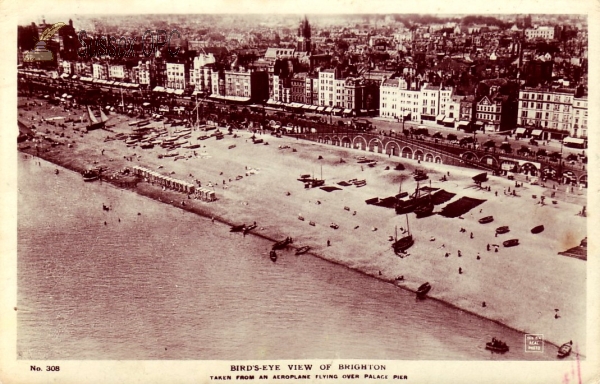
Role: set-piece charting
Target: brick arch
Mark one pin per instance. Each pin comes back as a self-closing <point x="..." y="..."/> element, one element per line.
<point x="375" y="142"/>
<point x="327" y="140"/>
<point x="489" y="160"/>
<point x="335" y="141"/>
<point x="468" y="155"/>
<point x="569" y="175"/>
<point x="583" y="179"/>
<point x="429" y="157"/>
<point x="419" y="154"/>
<point x="550" y="172"/>
<point x="392" y="148"/>
<point x="438" y="160"/>
<point x="346" y="142"/>
<point x="529" y="169"/>
<point x="407" y="152"/>
<point x="359" y="142"/>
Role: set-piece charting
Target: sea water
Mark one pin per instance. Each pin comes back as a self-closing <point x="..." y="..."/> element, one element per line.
<point x="146" y="280"/>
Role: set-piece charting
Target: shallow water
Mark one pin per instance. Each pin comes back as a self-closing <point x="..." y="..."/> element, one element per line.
<point x="167" y="284"/>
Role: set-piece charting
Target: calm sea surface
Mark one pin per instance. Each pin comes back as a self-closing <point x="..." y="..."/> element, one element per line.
<point x="168" y="284"/>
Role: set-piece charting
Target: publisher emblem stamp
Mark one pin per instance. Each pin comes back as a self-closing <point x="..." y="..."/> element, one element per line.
<point x="534" y="343"/>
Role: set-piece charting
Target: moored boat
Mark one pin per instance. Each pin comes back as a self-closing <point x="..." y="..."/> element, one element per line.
<point x="403" y="244"/>
<point x="564" y="350"/>
<point x="90" y="175"/>
<point x="273" y="256"/>
<point x="249" y="228"/>
<point x="424" y="209"/>
<point x="487" y="219"/>
<point x="423" y="290"/>
<point x="538" y="229"/>
<point x="496" y="346"/>
<point x="237" y="228"/>
<point x="302" y="250"/>
<point x="511" y="243"/>
<point x="503" y="229"/>
<point x="282" y="244"/>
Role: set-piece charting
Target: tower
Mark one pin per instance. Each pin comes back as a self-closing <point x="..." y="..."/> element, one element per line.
<point x="304" y="40"/>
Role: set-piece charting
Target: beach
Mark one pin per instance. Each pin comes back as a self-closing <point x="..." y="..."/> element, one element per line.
<point x="528" y="287"/>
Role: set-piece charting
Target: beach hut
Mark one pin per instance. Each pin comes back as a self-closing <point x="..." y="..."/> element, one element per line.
<point x="211" y="196"/>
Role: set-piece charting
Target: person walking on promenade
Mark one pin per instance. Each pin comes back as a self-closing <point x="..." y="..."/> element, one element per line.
<point x="460" y="271"/>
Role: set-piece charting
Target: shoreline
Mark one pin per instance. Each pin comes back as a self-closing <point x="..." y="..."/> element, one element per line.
<point x="502" y="279"/>
<point x="220" y="220"/>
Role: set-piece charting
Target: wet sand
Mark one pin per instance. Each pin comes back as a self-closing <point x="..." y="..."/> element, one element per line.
<point x="522" y="286"/>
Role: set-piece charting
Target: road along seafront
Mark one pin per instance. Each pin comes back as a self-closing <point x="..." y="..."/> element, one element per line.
<point x="522" y="287"/>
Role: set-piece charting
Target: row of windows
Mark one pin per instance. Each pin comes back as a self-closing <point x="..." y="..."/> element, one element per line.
<point x="547" y="116"/>
<point x="540" y="96"/>
<point x="546" y="124"/>
<point x="485" y="108"/>
<point x="485" y="116"/>
<point x="555" y="107"/>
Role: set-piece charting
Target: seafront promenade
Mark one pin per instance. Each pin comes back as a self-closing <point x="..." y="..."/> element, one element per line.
<point x="521" y="286"/>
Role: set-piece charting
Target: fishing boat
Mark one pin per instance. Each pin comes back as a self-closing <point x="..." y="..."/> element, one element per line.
<point x="302" y="250"/>
<point x="249" y="228"/>
<point x="503" y="229"/>
<point x="423" y="290"/>
<point x="405" y="206"/>
<point x="90" y="175"/>
<point x="147" y="146"/>
<point x="415" y="200"/>
<point x="402" y="244"/>
<point x="487" y="219"/>
<point x="237" y="228"/>
<point x="511" y="243"/>
<point x="420" y="175"/>
<point x="564" y="350"/>
<point x="282" y="244"/>
<point x="273" y="256"/>
<point x="538" y="229"/>
<point x="497" y="346"/>
<point x="94" y="122"/>
<point x="425" y="208"/>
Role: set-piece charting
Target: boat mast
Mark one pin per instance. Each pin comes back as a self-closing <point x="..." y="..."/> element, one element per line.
<point x="407" y="226"/>
<point x="396" y="232"/>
